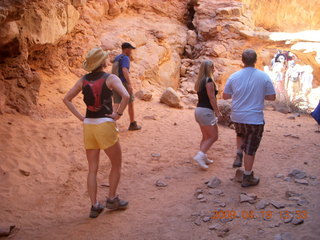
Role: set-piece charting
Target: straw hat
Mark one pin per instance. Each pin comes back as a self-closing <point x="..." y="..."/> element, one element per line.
<point x="94" y="59"/>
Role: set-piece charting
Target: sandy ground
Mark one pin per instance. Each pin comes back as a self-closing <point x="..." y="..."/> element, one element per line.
<point x="52" y="202"/>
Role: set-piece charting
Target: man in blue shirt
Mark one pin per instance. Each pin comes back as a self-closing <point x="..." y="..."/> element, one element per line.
<point x="124" y="75"/>
<point x="248" y="89"/>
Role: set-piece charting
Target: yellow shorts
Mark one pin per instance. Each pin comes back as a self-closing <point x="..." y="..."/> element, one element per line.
<point x="100" y="136"/>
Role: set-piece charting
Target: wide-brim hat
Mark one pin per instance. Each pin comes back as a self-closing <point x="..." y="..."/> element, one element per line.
<point x="94" y="59"/>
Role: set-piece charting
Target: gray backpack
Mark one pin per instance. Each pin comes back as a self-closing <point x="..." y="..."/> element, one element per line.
<point x="116" y="66"/>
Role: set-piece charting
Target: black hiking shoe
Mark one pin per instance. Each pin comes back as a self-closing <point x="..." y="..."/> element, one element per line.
<point x="249" y="180"/>
<point x="116" y="203"/>
<point x="96" y="210"/>
<point x="238" y="161"/>
<point x="134" y="126"/>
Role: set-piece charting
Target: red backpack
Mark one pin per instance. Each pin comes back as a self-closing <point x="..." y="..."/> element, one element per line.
<point x="92" y="92"/>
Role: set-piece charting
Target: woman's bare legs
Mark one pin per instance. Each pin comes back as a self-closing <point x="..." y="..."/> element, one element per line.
<point x="93" y="161"/>
<point x="209" y="137"/>
<point x="115" y="155"/>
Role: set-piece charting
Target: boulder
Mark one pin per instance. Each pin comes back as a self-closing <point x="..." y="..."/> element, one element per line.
<point x="171" y="98"/>
<point x="144" y="95"/>
<point x="225" y="109"/>
<point x="190" y="99"/>
<point x="192" y="38"/>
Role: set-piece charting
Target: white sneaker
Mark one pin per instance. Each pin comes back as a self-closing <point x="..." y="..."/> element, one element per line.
<point x="201" y="161"/>
<point x="207" y="161"/>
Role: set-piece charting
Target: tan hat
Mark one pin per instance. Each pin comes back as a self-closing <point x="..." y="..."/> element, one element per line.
<point x="94" y="59"/>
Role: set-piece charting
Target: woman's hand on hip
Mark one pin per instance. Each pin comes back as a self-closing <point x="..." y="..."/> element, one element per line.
<point x="115" y="116"/>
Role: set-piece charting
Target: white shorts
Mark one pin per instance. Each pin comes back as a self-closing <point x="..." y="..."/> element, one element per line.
<point x="205" y="116"/>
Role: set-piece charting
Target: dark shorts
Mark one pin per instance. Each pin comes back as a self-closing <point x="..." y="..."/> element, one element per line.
<point x="251" y="134"/>
<point x="117" y="98"/>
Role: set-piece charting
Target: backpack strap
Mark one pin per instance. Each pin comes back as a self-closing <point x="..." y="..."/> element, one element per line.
<point x="96" y="88"/>
<point x="120" y="64"/>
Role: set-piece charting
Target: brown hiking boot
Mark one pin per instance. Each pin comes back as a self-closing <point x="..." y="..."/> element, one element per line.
<point x="116" y="203"/>
<point x="238" y="161"/>
<point x="249" y="180"/>
<point x="134" y="126"/>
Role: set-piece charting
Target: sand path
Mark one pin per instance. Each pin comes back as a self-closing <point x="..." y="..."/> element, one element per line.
<point x="52" y="203"/>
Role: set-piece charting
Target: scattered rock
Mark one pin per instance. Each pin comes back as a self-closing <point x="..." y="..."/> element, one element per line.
<point x="24" y="172"/>
<point x="151" y="117"/>
<point x="245" y="198"/>
<point x="215" y="192"/>
<point x="206" y="219"/>
<point x="292" y="136"/>
<point x="171" y="98"/>
<point x="200" y="196"/>
<point x="288" y="179"/>
<point x="279" y="175"/>
<point x="199" y="190"/>
<point x="297" y="173"/>
<point x="277" y="204"/>
<point x="105" y="185"/>
<point x="289" y="194"/>
<point x="294" y="199"/>
<point x="283" y="236"/>
<point x="292" y="117"/>
<point x="6" y="230"/>
<point x="296" y="221"/>
<point x="160" y="183"/>
<point x="220" y="229"/>
<point x="214" y="182"/>
<point x="203" y="200"/>
<point x="252" y="195"/>
<point x="301" y="181"/>
<point x="197" y="221"/>
<point x="262" y="204"/>
<point x="220" y="204"/>
<point x="156" y="155"/>
<point x="302" y="202"/>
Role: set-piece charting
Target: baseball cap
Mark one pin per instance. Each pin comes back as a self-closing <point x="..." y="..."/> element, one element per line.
<point x="127" y="45"/>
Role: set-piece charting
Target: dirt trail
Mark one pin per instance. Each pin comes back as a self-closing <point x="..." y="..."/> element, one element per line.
<point x="52" y="203"/>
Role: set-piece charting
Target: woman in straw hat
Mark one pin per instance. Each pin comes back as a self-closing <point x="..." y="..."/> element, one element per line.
<point x="207" y="111"/>
<point x="100" y="131"/>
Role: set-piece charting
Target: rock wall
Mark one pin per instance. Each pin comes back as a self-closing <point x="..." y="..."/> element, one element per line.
<point x="285" y="15"/>
<point x="42" y="40"/>
<point x="43" y="43"/>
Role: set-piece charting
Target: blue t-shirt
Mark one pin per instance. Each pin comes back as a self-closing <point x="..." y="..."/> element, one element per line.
<point x="248" y="88"/>
<point x="123" y="63"/>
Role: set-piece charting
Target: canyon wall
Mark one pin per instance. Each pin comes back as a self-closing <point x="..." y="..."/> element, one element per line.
<point x="43" y="44"/>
